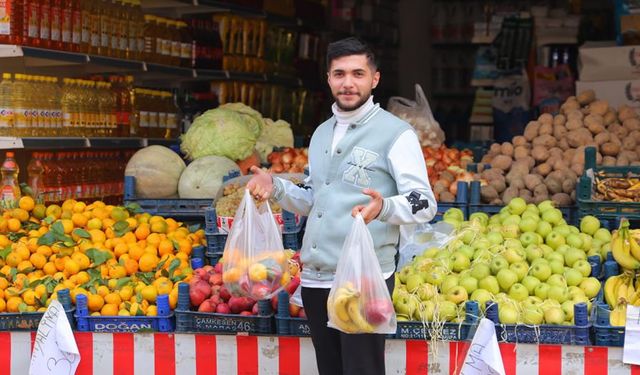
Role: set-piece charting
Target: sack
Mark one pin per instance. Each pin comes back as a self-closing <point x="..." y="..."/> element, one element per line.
<point x="511" y="110"/>
<point x="551" y="87"/>
<point x="255" y="264"/>
<point x="359" y="300"/>
<point x="418" y="114"/>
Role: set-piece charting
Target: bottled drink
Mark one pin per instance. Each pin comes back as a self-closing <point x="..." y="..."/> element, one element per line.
<point x="105" y="27"/>
<point x="55" y="19"/>
<point x="186" y="45"/>
<point x="19" y="104"/>
<point x="31" y="24"/>
<point x="150" y="49"/>
<point x="57" y="106"/>
<point x="6" y="107"/>
<point x="95" y="11"/>
<point x="10" y="187"/>
<point x="45" y="23"/>
<point x="66" y="25"/>
<point x="35" y="171"/>
<point x="123" y="28"/>
<point x="136" y="29"/>
<point x="114" y="27"/>
<point x="174" y="33"/>
<point x="11" y="17"/>
<point x="86" y="18"/>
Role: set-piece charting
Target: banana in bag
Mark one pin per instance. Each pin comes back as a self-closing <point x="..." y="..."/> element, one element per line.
<point x="359" y="301"/>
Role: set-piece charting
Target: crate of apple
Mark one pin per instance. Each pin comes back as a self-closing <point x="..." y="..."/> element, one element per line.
<point x="526" y="260"/>
<point x="205" y="304"/>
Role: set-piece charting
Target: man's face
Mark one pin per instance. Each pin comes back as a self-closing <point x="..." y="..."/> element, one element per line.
<point x="351" y="80"/>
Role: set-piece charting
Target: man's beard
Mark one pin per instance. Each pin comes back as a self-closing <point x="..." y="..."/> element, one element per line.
<point x="358" y="104"/>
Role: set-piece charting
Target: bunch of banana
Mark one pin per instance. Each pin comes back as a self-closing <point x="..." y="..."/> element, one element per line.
<point x="625" y="248"/>
<point x="621" y="290"/>
<point x="617" y="189"/>
<point x="618" y="316"/>
<point x="344" y="310"/>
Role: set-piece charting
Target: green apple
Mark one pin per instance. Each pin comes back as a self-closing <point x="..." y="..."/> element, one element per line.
<point x="449" y="282"/>
<point x="405" y="305"/>
<point x="603" y="235"/>
<point x="532" y="315"/>
<point x="583" y="266"/>
<point x="513" y="243"/>
<point x="466" y="250"/>
<point x="573" y="255"/>
<point x="587" y="241"/>
<point x="562" y="249"/>
<point x="575" y="291"/>
<point x="431" y="252"/>
<point x="528" y="224"/>
<point x="568" y="309"/>
<point x="520" y="268"/>
<point x="557" y="280"/>
<point x="508" y="314"/>
<point x="573" y="276"/>
<point x="469" y="283"/>
<point x="530" y="283"/>
<point x="426" y="291"/>
<point x="562" y="229"/>
<point x="554" y="240"/>
<point x="446" y="310"/>
<point x="540" y="271"/>
<point x="528" y="238"/>
<point x="481" y="243"/>
<point x="480" y="270"/>
<point x="498" y="263"/>
<point x="517" y="206"/>
<point x="435" y="276"/>
<point x="518" y="292"/>
<point x="459" y="261"/>
<point x="510" y="231"/>
<point x="425" y="311"/>
<point x="557" y="267"/>
<point x="533" y="208"/>
<point x="542" y="290"/>
<point x="495" y="238"/>
<point x="546" y="249"/>
<point x="413" y="282"/>
<point x="404" y="273"/>
<point x="481" y="296"/>
<point x="481" y="217"/>
<point x="506" y="278"/>
<point x="540" y="260"/>
<point x="553" y="315"/>
<point x="512" y="220"/>
<point x="489" y="284"/>
<point x="558" y="293"/>
<point x="589" y="224"/>
<point x="457" y="295"/>
<point x="574" y="240"/>
<point x="533" y="252"/>
<point x="590" y="286"/>
<point x="552" y="216"/>
<point x="574" y="229"/>
<point x="454" y="214"/>
<point x="543" y="228"/>
<point x="545" y="205"/>
<point x="514" y="255"/>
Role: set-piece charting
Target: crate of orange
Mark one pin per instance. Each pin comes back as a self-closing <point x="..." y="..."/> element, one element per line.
<point x="115" y="261"/>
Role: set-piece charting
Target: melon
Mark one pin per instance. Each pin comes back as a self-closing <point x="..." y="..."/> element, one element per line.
<point x="203" y="177"/>
<point x="157" y="170"/>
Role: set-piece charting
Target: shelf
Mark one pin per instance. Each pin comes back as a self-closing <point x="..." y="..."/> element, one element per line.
<point x="63" y="143"/>
<point x="159" y="141"/>
<point x="37" y="143"/>
<point x="19" y="59"/>
<point x="116" y="142"/>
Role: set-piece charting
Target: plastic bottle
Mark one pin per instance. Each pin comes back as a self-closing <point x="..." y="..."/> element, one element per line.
<point x="55" y="20"/>
<point x="105" y="27"/>
<point x="35" y="171"/>
<point x="136" y="29"/>
<point x="149" y="52"/>
<point x="95" y="30"/>
<point x="19" y="105"/>
<point x="66" y="24"/>
<point x="175" y="40"/>
<point x="31" y="23"/>
<point x="76" y="25"/>
<point x="123" y="28"/>
<point x="6" y="108"/>
<point x="45" y="23"/>
<point x="86" y="17"/>
<point x="163" y="48"/>
<point x="10" y="187"/>
<point x="57" y="106"/>
<point x="186" y="45"/>
<point x="11" y="17"/>
<point x="115" y="20"/>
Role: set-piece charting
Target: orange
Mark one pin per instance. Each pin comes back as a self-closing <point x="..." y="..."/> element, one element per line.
<point x="13" y="259"/>
<point x="4" y="241"/>
<point x="29" y="297"/>
<point x="68" y="204"/>
<point x="94" y="223"/>
<point x="79" y="207"/>
<point x="4" y="283"/>
<point x="149" y="293"/>
<point x="117" y="272"/>
<point x="102" y="290"/>
<point x="148" y="262"/>
<point x="79" y="220"/>
<point x="143" y="231"/>
<point x="26" y="203"/>
<point x="126" y="292"/>
<point x="3" y="305"/>
<point x="163" y="285"/>
<point x="154" y="239"/>
<point x="24" y="266"/>
<point x="152" y="310"/>
<point x="95" y="302"/>
<point x="159" y="227"/>
<point x="173" y="298"/>
<point x="49" y="268"/>
<point x="44" y="250"/>
<point x="109" y="309"/>
<point x="20" y="214"/>
<point x="119" y="213"/>
<point x="23" y="251"/>
<point x="165" y="247"/>
<point x="172" y="225"/>
<point x="40" y="290"/>
<point x="97" y="236"/>
<point x="113" y="298"/>
<point x="133" y="223"/>
<point x="71" y="266"/>
<point x="135" y="252"/>
<point x="13" y="303"/>
<point x="82" y="277"/>
<point x="184" y="246"/>
<point x="13" y="225"/>
<point x="120" y="249"/>
<point x="107" y="223"/>
<point x="82" y="260"/>
<point x="131" y="266"/>
<point x="39" y="211"/>
<point x="38" y="260"/>
<point x="129" y="238"/>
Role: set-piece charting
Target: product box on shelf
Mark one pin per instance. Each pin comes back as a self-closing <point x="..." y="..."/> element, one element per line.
<point x="605" y="61"/>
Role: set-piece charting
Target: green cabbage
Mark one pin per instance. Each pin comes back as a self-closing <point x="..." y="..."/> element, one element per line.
<point x="251" y="117"/>
<point x="221" y="132"/>
<point x="274" y="134"/>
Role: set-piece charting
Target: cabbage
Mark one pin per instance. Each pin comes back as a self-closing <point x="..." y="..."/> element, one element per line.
<point x="203" y="177"/>
<point x="251" y="117"/>
<point x="274" y="134"/>
<point x="220" y="132"/>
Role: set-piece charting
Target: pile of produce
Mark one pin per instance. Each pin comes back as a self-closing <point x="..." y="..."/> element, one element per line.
<point x="289" y="160"/>
<point x="232" y="195"/>
<point x="445" y="167"/>
<point x="623" y="289"/>
<point x="546" y="161"/>
<point x="617" y="189"/>
<point x="525" y="258"/>
<point x="119" y="258"/>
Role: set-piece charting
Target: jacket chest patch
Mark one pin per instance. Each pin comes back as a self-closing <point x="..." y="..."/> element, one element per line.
<point x="359" y="167"/>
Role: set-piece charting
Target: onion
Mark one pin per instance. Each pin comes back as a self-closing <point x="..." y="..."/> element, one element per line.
<point x="287" y="157"/>
<point x="277" y="168"/>
<point x="274" y="157"/>
<point x="300" y="160"/>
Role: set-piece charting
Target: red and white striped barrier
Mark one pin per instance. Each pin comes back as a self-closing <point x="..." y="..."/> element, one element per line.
<point x="183" y="354"/>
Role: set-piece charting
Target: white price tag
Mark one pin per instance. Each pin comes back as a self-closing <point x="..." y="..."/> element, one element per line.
<point x="630" y="352"/>
<point x="484" y="357"/>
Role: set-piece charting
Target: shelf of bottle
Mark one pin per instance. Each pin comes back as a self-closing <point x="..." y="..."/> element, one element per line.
<point x="59" y="143"/>
<point x="47" y="61"/>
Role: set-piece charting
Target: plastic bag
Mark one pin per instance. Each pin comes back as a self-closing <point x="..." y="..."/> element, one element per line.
<point x="424" y="237"/>
<point x="418" y="114"/>
<point x="359" y="301"/>
<point x="255" y="264"/>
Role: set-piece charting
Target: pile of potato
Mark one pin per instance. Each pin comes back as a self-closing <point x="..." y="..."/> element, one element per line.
<point x="546" y="161"/>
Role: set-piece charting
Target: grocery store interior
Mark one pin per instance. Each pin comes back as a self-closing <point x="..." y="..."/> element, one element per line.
<point x="129" y="129"/>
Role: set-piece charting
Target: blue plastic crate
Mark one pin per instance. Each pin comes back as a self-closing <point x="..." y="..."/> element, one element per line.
<point x="604" y="333"/>
<point x="164" y="322"/>
<point x="29" y="321"/>
<point x="461" y="202"/>
<point x="568" y="212"/>
<point x="193" y="321"/>
<point x="287" y="325"/>
<point x="579" y="334"/>
<point x="182" y="209"/>
<point x="413" y="330"/>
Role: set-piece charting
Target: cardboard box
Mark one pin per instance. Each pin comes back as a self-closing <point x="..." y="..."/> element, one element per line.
<point x="616" y="93"/>
<point x="605" y="61"/>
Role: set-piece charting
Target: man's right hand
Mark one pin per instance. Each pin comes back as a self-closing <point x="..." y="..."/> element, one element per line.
<point x="261" y="184"/>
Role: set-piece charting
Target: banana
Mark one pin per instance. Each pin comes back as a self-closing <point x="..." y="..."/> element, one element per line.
<point x="610" y="290"/>
<point x="634" y="247"/>
<point x="348" y="327"/>
<point x="631" y="290"/>
<point x="621" y="252"/>
<point x="353" y="308"/>
<point x="618" y="316"/>
<point x="340" y="303"/>
<point x="621" y="292"/>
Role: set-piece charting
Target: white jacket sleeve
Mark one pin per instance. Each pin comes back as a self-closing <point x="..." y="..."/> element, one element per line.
<point x="293" y="198"/>
<point x="415" y="203"/>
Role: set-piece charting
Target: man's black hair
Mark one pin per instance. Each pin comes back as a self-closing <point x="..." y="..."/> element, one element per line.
<point x="350" y="46"/>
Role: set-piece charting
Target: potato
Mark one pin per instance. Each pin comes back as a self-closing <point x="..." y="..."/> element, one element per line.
<point x="569" y="175"/>
<point x="575" y="115"/>
<point x="492" y="174"/>
<point x="446" y="175"/>
<point x="446" y="196"/>
<point x="613" y="138"/>
<point x="609" y="149"/>
<point x="555" y="151"/>
<point x="545" y="118"/>
<point x="622" y="161"/>
<point x="636" y="135"/>
<point x="553" y="185"/>
<point x="578" y="156"/>
<point x="520" y="152"/>
<point x="559" y="120"/>
<point x="598" y="158"/>
<point x="539" y="153"/>
<point x="631" y="155"/>
<point x="543" y="169"/>
<point x="506" y="149"/>
<point x="577" y="168"/>
<point x="619" y="130"/>
<point x="599" y="107"/>
<point x="486" y="159"/>
<point x="595" y="123"/>
<point x="499" y="184"/>
<point x="601" y="138"/>
<point x="495" y="148"/>
<point x="574" y="124"/>
<point x="502" y="162"/>
<point x="531" y="130"/>
<point x="440" y="186"/>
<point x="540" y="190"/>
<point x="510" y="193"/>
<point x="568" y="185"/>
<point x="629" y="144"/>
<point x="497" y="202"/>
<point x="526" y="195"/>
<point x="545" y="140"/>
<point x="631" y="124"/>
<point x="569" y="105"/>
<point x="559" y="131"/>
<point x="561" y="199"/>
<point x="532" y="180"/>
<point x="608" y="161"/>
<point x="563" y="143"/>
<point x="545" y="128"/>
<point x="626" y="112"/>
<point x="519" y="140"/>
<point x="610" y="117"/>
<point x="560" y="165"/>
<point x="488" y="193"/>
<point x="586" y="97"/>
<point x="531" y="162"/>
<point x="580" y="137"/>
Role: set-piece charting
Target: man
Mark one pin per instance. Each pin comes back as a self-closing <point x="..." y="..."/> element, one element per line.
<point x="362" y="160"/>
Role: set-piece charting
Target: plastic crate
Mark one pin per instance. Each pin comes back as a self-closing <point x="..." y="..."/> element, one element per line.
<point x="411" y="330"/>
<point x="29" y="321"/>
<point x="568" y="212"/>
<point x="193" y="321"/>
<point x="605" y="334"/>
<point x="461" y="202"/>
<point x="285" y="324"/>
<point x="216" y="239"/>
<point x="479" y="148"/>
<point x="609" y="213"/>
<point x="182" y="209"/>
<point x="578" y="334"/>
<point x="161" y="323"/>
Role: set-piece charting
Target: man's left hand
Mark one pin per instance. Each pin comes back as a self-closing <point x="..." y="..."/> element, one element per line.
<point x="371" y="210"/>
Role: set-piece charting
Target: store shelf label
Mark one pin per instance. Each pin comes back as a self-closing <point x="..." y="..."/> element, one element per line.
<point x="7" y="143"/>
